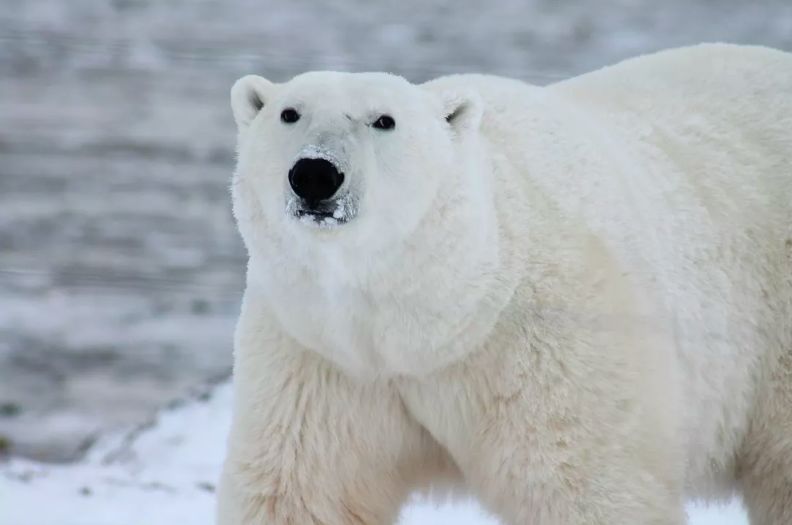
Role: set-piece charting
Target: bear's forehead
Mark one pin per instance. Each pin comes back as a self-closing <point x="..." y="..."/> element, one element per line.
<point x="348" y="88"/>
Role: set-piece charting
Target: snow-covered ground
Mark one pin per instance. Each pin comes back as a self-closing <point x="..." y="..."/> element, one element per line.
<point x="165" y="473"/>
<point x="120" y="266"/>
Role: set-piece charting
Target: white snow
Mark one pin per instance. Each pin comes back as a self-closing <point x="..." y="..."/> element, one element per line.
<point x="166" y="473"/>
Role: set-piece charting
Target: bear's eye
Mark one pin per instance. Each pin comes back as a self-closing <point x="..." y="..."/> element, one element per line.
<point x="384" y="122"/>
<point x="290" y="116"/>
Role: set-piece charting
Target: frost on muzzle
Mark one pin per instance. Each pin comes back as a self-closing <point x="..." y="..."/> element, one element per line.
<point x="319" y="195"/>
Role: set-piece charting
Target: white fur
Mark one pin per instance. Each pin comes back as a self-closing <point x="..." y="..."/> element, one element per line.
<point x="574" y="301"/>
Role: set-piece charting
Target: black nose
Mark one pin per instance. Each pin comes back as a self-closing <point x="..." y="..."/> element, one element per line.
<point x="315" y="179"/>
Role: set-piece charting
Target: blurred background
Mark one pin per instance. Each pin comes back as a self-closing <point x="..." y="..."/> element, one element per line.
<point x="120" y="266"/>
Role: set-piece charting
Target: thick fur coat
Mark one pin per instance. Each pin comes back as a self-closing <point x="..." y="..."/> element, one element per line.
<point x="572" y="301"/>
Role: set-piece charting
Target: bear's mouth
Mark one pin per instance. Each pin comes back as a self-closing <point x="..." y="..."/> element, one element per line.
<point x="330" y="213"/>
<point x="321" y="217"/>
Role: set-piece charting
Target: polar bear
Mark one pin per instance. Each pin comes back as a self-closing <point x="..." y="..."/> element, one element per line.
<point x="572" y="301"/>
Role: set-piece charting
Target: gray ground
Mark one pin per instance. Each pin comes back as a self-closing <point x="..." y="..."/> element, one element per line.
<point x="120" y="268"/>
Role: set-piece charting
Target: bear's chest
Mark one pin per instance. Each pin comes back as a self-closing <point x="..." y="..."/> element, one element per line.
<point x="393" y="335"/>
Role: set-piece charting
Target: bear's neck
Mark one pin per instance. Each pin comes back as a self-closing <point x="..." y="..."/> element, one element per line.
<point x="434" y="302"/>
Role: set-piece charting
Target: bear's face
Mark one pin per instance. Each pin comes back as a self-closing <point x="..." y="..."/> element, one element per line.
<point x="365" y="210"/>
<point x="348" y="160"/>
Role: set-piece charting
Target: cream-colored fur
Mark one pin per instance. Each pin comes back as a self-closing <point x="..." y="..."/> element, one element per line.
<point x="573" y="301"/>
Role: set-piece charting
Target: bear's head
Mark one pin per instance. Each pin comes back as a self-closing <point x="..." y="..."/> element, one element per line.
<point x="352" y="160"/>
<point x="351" y="190"/>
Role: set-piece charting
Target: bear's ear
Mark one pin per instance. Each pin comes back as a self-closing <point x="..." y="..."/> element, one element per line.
<point x="248" y="95"/>
<point x="462" y="109"/>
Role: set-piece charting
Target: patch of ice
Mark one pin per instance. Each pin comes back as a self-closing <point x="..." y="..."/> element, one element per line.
<point x="346" y="207"/>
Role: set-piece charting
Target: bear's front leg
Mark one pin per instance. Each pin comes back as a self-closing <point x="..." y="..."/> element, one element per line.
<point x="310" y="446"/>
<point x="545" y="438"/>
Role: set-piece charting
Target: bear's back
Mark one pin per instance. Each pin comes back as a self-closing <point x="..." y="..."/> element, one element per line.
<point x="695" y="72"/>
<point x="745" y="89"/>
<point x="716" y="118"/>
